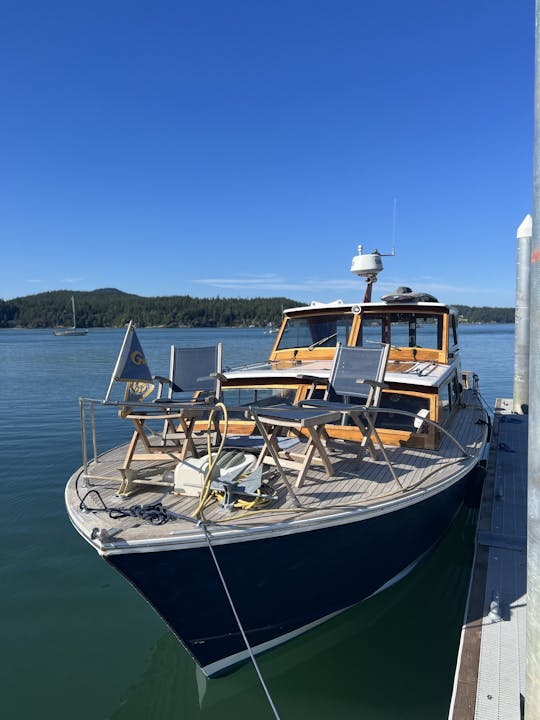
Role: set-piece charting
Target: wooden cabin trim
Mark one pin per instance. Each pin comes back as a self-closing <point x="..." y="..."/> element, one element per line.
<point x="428" y="437"/>
<point x="355" y="329"/>
<point x="418" y="355"/>
<point x="277" y="340"/>
<point x="405" y="353"/>
<point x="318" y="353"/>
<point x="445" y="334"/>
<point x="304" y="355"/>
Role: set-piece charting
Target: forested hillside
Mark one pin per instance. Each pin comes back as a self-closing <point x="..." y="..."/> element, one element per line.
<point x="112" y="308"/>
<point x="485" y="314"/>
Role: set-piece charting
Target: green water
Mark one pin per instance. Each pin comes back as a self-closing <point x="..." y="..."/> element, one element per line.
<point x="78" y="641"/>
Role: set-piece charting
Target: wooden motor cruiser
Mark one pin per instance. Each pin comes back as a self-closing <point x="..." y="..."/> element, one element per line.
<point x="235" y="568"/>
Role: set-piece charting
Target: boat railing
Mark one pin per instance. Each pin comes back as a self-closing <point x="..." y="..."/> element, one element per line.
<point x="240" y="400"/>
<point x="87" y="408"/>
<point x="421" y="420"/>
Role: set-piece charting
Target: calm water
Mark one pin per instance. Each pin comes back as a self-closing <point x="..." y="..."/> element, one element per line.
<point x="78" y="642"/>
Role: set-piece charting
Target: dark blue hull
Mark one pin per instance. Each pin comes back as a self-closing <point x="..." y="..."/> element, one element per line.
<point x="284" y="583"/>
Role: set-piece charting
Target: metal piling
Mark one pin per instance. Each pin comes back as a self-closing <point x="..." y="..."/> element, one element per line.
<point x="532" y="694"/>
<point x="521" y="342"/>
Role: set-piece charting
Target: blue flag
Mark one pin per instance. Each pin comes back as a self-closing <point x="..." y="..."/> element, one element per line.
<point x="131" y="364"/>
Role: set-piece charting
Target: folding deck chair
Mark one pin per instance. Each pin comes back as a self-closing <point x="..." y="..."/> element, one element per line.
<point x="354" y="389"/>
<point x="185" y="396"/>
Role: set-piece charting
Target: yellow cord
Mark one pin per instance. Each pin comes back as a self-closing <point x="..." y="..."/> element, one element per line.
<point x="211" y="461"/>
<point x="207" y="495"/>
<point x="246" y="504"/>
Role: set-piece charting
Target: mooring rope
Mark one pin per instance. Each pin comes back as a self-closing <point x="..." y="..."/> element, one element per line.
<point x="237" y="618"/>
<point x="154" y="513"/>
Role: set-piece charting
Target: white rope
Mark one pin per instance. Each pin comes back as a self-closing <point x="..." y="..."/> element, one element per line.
<point x="229" y="598"/>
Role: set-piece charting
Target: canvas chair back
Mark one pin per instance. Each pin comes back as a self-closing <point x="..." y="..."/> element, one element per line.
<point x="195" y="370"/>
<point x="354" y="363"/>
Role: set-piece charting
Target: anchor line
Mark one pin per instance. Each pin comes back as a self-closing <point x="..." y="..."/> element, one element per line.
<point x="238" y="622"/>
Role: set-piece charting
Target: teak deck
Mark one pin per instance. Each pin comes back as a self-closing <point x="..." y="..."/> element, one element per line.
<point x="357" y="483"/>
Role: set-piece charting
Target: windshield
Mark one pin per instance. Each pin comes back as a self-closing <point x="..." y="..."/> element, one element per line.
<point x="316" y="331"/>
<point x="412" y="329"/>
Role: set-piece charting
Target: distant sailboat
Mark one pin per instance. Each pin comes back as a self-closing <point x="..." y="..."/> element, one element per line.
<point x="271" y="329"/>
<point x="72" y="330"/>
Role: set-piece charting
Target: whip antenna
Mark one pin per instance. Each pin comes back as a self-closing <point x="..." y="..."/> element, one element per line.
<point x="394" y="227"/>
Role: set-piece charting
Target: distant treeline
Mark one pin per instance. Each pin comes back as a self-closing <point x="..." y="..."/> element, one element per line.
<point x="113" y="308"/>
<point x="485" y="314"/>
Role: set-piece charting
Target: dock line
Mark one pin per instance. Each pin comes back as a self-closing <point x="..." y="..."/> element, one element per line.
<point x="237" y="618"/>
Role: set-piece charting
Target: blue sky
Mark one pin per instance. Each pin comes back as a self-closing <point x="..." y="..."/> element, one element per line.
<point x="243" y="148"/>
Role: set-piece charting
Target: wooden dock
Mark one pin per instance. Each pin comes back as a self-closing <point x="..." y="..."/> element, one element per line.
<point x="490" y="675"/>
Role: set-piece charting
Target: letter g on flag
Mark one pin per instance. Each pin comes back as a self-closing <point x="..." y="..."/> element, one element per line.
<point x="137" y="358"/>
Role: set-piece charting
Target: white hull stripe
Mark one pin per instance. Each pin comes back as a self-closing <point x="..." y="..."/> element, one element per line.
<point x="221" y="665"/>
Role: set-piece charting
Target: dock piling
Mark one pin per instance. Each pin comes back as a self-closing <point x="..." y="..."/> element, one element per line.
<point x="521" y="342"/>
<point x="532" y="694"/>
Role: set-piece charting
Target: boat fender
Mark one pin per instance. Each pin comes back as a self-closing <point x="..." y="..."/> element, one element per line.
<point x="494" y="614"/>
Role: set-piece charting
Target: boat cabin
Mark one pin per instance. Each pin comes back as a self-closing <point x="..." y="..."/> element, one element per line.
<point x="423" y="374"/>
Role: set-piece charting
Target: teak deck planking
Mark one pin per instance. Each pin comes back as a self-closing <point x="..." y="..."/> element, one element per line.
<point x="356" y="483"/>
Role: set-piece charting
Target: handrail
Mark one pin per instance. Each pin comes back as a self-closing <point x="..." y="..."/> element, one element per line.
<point x="91" y="403"/>
<point x="142" y="404"/>
<point x="433" y="423"/>
<point x="83" y="435"/>
<point x="84" y="440"/>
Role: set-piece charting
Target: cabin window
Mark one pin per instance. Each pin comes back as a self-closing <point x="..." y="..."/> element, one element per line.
<point x="445" y="402"/>
<point x="448" y="398"/>
<point x="399" y="401"/>
<point x="453" y="392"/>
<point x="402" y="329"/>
<point x="316" y="331"/>
<point x="373" y="330"/>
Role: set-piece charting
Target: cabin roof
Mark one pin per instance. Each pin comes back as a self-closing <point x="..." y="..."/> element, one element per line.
<point x="360" y="307"/>
<point x="425" y="373"/>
